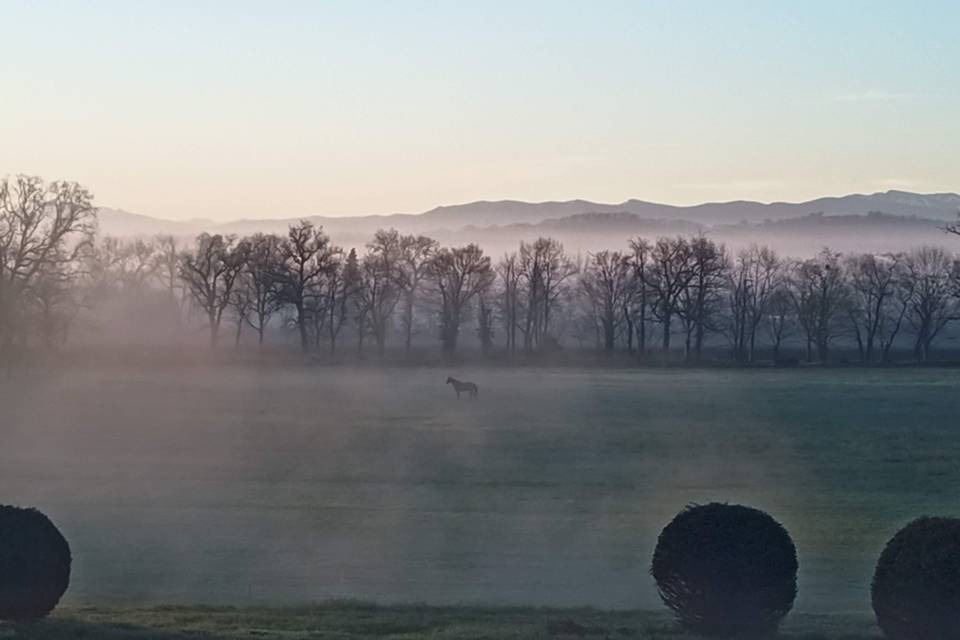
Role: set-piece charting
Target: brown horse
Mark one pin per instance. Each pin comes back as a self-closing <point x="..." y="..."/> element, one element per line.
<point x="466" y="387"/>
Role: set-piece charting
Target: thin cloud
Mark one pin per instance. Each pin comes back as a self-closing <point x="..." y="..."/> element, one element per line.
<point x="875" y="95"/>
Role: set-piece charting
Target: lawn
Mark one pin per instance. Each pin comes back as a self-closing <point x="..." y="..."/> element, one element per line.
<point x="268" y="486"/>
<point x="347" y="620"/>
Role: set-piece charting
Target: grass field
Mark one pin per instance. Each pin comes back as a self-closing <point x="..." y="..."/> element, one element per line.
<point x="355" y="621"/>
<point x="276" y="486"/>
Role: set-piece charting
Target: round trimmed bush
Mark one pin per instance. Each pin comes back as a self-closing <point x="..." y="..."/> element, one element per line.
<point x="916" y="586"/>
<point x="34" y="564"/>
<point x="726" y="570"/>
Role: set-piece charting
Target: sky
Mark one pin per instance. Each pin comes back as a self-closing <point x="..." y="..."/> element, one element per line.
<point x="229" y="110"/>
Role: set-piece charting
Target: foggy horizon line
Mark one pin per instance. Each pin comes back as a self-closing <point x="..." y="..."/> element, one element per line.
<point x="514" y="201"/>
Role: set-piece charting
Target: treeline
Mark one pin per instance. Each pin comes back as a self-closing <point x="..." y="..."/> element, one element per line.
<point x="673" y="295"/>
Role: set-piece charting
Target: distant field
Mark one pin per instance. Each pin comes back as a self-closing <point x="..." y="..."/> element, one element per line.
<point x="285" y="485"/>
<point x="348" y="621"/>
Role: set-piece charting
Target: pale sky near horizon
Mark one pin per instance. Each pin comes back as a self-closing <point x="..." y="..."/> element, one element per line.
<point x="231" y="110"/>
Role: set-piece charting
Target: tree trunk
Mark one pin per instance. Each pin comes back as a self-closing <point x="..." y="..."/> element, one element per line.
<point x="408" y="323"/>
<point x="609" y="338"/>
<point x="302" y="326"/>
<point x="698" y="343"/>
<point x="381" y="338"/>
<point x="214" y="329"/>
<point x="642" y="327"/>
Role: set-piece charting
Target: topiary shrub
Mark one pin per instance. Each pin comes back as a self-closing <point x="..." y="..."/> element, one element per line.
<point x="726" y="570"/>
<point x="34" y="564"/>
<point x="916" y="586"/>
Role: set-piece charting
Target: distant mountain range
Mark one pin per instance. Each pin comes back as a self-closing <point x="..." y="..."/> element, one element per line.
<point x="890" y="219"/>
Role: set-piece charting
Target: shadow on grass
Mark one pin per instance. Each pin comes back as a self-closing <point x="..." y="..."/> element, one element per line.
<point x="64" y="629"/>
<point x="353" y="620"/>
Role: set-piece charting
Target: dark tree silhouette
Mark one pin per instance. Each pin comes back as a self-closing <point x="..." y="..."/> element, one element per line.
<point x="416" y="253"/>
<point x="820" y="295"/>
<point x="606" y="281"/>
<point x="752" y="282"/>
<point x="544" y="270"/>
<point x="381" y="284"/>
<point x="209" y="273"/>
<point x="508" y="272"/>
<point x="459" y="275"/>
<point x="701" y="299"/>
<point x="44" y="230"/>
<point x="166" y="266"/>
<point x="261" y="282"/>
<point x="726" y="570"/>
<point x="876" y="311"/>
<point x="341" y="292"/>
<point x="933" y="277"/>
<point x="670" y="274"/>
<point x="637" y="311"/>
<point x="308" y="259"/>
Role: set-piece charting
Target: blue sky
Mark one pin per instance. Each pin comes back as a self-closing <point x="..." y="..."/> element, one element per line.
<point x="233" y="109"/>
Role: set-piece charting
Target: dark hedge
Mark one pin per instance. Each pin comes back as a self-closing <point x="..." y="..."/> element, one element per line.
<point x="726" y="570"/>
<point x="34" y="564"/>
<point x="916" y="586"/>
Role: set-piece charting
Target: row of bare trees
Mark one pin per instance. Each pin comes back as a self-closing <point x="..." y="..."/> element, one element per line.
<point x="644" y="299"/>
<point x="694" y="287"/>
<point x="314" y="286"/>
<point x="687" y="289"/>
<point x="45" y="230"/>
<point x="319" y="288"/>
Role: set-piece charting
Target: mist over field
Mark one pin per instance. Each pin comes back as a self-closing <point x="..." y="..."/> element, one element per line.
<point x="264" y="485"/>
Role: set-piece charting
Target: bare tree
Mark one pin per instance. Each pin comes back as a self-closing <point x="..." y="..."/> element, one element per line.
<point x="670" y="274"/>
<point x="544" y="270"/>
<point x="484" y="322"/>
<point x="780" y="317"/>
<point x="166" y="267"/>
<point x="638" y="309"/>
<point x="875" y="315"/>
<point x="934" y="302"/>
<point x="105" y="262"/>
<point x="701" y="299"/>
<point x="140" y="263"/>
<point x="307" y="257"/>
<point x="44" y="229"/>
<point x="752" y="282"/>
<point x="458" y="274"/>
<point x="895" y="310"/>
<point x="820" y="296"/>
<point x="241" y="300"/>
<point x="341" y="292"/>
<point x="53" y="301"/>
<point x="416" y="252"/>
<point x="209" y="273"/>
<point x="606" y="281"/>
<point x="508" y="271"/>
<point x="261" y="281"/>
<point x="382" y="284"/>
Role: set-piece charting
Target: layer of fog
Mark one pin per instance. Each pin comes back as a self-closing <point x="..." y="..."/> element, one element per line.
<point x="282" y="485"/>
